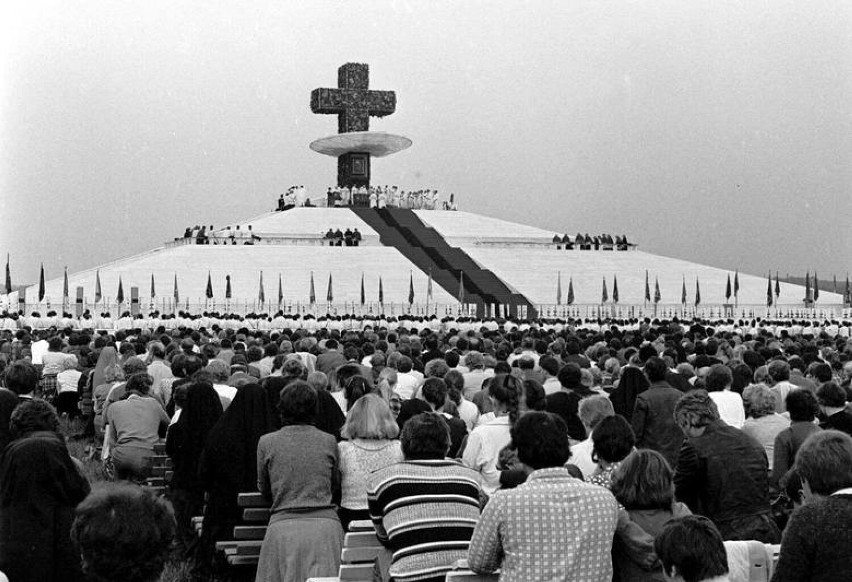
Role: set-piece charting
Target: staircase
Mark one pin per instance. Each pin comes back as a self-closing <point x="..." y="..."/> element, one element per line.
<point x="426" y="248"/>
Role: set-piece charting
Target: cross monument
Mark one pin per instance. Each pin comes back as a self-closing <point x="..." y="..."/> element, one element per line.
<point x="354" y="103"/>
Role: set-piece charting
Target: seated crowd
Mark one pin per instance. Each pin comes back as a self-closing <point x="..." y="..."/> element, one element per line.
<point x="336" y="238"/>
<point x="583" y="452"/>
<point x="201" y="235"/>
<point x="585" y="242"/>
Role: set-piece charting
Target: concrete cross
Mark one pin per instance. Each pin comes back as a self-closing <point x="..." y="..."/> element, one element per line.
<point x="352" y="101"/>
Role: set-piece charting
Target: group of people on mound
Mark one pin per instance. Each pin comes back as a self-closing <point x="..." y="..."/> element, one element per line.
<point x="336" y="238"/>
<point x="204" y="236"/>
<point x="384" y="196"/>
<point x="586" y="243"/>
<point x="659" y="451"/>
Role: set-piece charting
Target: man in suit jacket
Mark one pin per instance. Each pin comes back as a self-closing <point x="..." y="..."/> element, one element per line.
<point x="832" y="404"/>
<point x="653" y="415"/>
<point x="331" y="359"/>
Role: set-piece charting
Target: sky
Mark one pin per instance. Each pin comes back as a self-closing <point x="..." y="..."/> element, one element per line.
<point x="718" y="132"/>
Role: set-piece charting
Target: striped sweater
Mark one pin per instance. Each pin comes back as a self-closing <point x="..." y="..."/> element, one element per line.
<point x="425" y="511"/>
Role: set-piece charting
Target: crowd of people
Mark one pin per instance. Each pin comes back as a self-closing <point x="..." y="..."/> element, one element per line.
<point x="388" y="196"/>
<point x="201" y="235"/>
<point x="584" y="242"/>
<point x="337" y="238"/>
<point x="570" y="450"/>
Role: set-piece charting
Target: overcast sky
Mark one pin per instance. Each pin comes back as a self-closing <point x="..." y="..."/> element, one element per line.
<point x="718" y="132"/>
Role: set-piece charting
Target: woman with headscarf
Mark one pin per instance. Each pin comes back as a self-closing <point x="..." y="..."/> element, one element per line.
<point x="228" y="466"/>
<point x="184" y="443"/>
<point x="107" y="357"/>
<point x="632" y="383"/>
<point x="40" y="486"/>
<point x="8" y="402"/>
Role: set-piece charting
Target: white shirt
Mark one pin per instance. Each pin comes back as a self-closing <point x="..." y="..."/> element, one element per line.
<point x="483" y="448"/>
<point x="730" y="405"/>
<point x="469" y="413"/>
<point x="406" y="385"/>
<point x="581" y="457"/>
<point x="226" y="394"/>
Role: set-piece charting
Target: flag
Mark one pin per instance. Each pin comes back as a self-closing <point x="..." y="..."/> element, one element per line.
<point x="41" y="284"/>
<point x="381" y="292"/>
<point x="120" y="295"/>
<point x="176" y="294"/>
<point x="835" y="283"/>
<point x="312" y="298"/>
<point x="697" y="293"/>
<point x="209" y="292"/>
<point x="657" y="296"/>
<point x="604" y="294"/>
<point x="848" y="294"/>
<point x="329" y="296"/>
<point x="558" y="288"/>
<point x="728" y="288"/>
<point x="8" y="276"/>
<point x="816" y="287"/>
<point x="280" y="290"/>
<point x="736" y="283"/>
<point x="769" y="290"/>
<point x="683" y="292"/>
<point x="98" y="293"/>
<point x="569" y="300"/>
<point x="808" y="287"/>
<point x="363" y="292"/>
<point x="429" y="288"/>
<point x="261" y="294"/>
<point x="777" y="287"/>
<point x="647" y="288"/>
<point x="615" y="288"/>
<point x="410" y="288"/>
<point x="227" y="286"/>
<point x="461" y="286"/>
<point x="153" y="290"/>
<point x="65" y="286"/>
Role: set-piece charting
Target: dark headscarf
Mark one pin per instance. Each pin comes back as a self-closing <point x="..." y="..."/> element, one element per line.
<point x="329" y="417"/>
<point x="632" y="383"/>
<point x="187" y="437"/>
<point x="232" y="442"/>
<point x="8" y="402"/>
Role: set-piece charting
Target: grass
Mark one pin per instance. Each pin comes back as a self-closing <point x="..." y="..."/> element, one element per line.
<point x="175" y="570"/>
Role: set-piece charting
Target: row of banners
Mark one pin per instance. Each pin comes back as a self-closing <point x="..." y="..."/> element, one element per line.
<point x="773" y="291"/>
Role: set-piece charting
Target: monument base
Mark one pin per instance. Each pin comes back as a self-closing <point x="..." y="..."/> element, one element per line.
<point x="353" y="170"/>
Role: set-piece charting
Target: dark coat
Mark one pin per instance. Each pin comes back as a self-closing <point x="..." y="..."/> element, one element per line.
<point x="724" y="475"/>
<point x="653" y="421"/>
<point x="39" y="488"/>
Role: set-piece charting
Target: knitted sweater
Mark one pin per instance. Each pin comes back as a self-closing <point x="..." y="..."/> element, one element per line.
<point x="817" y="544"/>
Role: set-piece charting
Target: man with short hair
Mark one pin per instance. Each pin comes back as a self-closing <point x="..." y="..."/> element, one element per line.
<point x="722" y="473"/>
<point x="425" y="508"/>
<point x="832" y="403"/>
<point x="691" y="550"/>
<point x="477" y="375"/>
<point x="565" y="402"/>
<point x="21" y="377"/>
<point x="331" y="359"/>
<point x="817" y="544"/>
<point x="779" y="373"/>
<point x="158" y="369"/>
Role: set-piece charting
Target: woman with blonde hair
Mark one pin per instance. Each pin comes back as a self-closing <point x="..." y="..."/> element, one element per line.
<point x="371" y="444"/>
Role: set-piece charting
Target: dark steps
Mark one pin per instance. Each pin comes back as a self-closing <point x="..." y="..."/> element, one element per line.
<point x="426" y="248"/>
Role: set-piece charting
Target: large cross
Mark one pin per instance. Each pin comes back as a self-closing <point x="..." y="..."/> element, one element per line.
<point x="352" y="101"/>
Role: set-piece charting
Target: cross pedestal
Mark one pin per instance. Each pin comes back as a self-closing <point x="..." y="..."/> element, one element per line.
<point x="354" y="103"/>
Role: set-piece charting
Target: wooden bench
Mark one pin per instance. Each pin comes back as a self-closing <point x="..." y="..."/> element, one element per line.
<point x="160" y="470"/>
